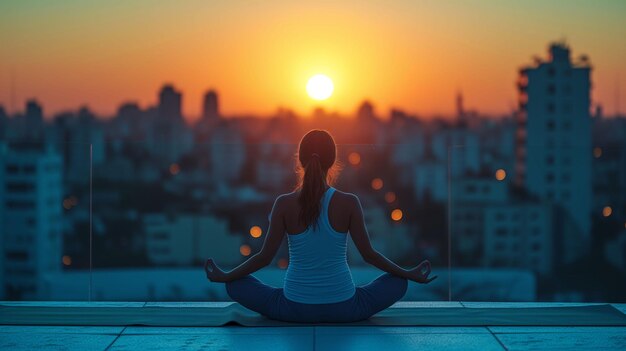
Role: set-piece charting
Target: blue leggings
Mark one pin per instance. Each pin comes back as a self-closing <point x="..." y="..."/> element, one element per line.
<point x="368" y="300"/>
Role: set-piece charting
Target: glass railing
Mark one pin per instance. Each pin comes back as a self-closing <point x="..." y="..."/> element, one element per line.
<point x="135" y="221"/>
<point x="159" y="216"/>
<point x="547" y="224"/>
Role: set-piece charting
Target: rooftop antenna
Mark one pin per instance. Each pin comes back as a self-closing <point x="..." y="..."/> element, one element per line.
<point x="617" y="107"/>
<point x="12" y="87"/>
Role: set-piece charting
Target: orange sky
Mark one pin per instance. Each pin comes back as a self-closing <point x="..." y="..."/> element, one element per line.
<point x="413" y="55"/>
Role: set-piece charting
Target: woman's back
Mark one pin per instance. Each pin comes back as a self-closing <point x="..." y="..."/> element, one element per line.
<point x="318" y="271"/>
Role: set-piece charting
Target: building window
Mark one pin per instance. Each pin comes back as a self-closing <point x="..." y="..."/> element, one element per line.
<point x="550" y="177"/>
<point x="551" y="89"/>
<point x="17" y="256"/>
<point x="20" y="205"/>
<point x="550" y="125"/>
<point x="12" y="169"/>
<point x="550" y="107"/>
<point x="501" y="231"/>
<point x="567" y="107"/>
<point x="20" y="187"/>
<point x="550" y="160"/>
<point x="551" y="72"/>
<point x="567" y="89"/>
<point x="567" y="125"/>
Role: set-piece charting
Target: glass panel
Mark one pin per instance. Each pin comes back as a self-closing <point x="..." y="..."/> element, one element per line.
<point x="44" y="214"/>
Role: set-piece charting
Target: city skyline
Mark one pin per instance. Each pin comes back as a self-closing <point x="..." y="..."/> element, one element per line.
<point x="75" y="54"/>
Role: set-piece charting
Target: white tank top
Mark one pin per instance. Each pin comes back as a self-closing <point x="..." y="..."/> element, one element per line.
<point x="318" y="269"/>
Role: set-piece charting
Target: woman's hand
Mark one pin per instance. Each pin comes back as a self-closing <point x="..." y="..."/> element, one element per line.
<point x="214" y="273"/>
<point x="420" y="273"/>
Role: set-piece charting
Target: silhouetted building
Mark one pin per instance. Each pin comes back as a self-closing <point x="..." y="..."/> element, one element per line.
<point x="171" y="138"/>
<point x="170" y="101"/>
<point x="366" y="111"/>
<point x="209" y="119"/>
<point x="210" y="107"/>
<point x="460" y="110"/>
<point x="4" y="122"/>
<point x="553" y="142"/>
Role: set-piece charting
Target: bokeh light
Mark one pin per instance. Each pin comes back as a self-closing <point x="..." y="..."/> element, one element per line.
<point x="390" y="196"/>
<point x="67" y="260"/>
<point x="283" y="263"/>
<point x="396" y="214"/>
<point x="256" y="231"/>
<point x="500" y="174"/>
<point x="607" y="211"/>
<point x="597" y="152"/>
<point x="174" y="168"/>
<point x="354" y="158"/>
<point x="377" y="183"/>
<point x="245" y="250"/>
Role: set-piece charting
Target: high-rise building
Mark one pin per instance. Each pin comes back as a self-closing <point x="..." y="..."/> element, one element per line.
<point x="31" y="220"/>
<point x="170" y="103"/>
<point x="210" y="107"/>
<point x="170" y="137"/>
<point x="553" y="140"/>
<point x="4" y="121"/>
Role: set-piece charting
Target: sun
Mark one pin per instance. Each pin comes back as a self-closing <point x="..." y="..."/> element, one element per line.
<point x="320" y="87"/>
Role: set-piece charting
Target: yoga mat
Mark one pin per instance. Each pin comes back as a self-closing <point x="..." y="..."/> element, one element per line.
<point x="220" y="314"/>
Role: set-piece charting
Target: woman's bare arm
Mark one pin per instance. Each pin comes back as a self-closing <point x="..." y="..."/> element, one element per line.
<point x="361" y="239"/>
<point x="272" y="242"/>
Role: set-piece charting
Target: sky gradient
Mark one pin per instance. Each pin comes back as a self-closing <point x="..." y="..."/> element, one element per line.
<point x="413" y="55"/>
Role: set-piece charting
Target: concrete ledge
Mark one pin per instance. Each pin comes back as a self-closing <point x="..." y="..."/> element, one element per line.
<point x="187" y="314"/>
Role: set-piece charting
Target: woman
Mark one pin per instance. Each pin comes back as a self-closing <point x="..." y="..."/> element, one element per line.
<point x="317" y="219"/>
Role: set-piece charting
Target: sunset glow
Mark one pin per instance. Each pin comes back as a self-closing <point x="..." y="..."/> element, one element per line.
<point x="412" y="55"/>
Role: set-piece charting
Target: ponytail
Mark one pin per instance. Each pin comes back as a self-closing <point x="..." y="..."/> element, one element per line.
<point x="316" y="166"/>
<point x="311" y="191"/>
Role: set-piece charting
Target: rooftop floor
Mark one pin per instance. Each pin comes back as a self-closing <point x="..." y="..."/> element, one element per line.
<point x="349" y="337"/>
